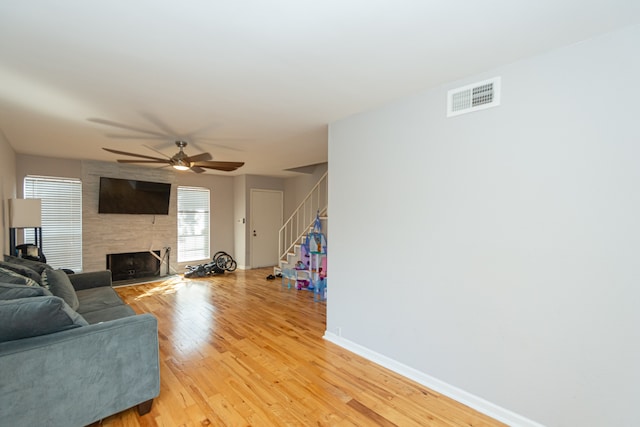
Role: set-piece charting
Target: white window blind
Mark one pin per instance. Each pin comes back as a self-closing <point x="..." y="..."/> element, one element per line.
<point x="193" y="224"/>
<point x="61" y="219"/>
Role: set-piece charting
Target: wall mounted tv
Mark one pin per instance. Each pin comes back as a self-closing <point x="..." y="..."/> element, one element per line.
<point x="128" y="196"/>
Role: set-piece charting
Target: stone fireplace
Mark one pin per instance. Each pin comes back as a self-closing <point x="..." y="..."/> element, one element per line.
<point x="133" y="265"/>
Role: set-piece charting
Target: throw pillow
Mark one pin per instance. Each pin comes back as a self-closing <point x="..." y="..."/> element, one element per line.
<point x="31" y="317"/>
<point x="59" y="284"/>
<point x="37" y="266"/>
<point x="23" y="270"/>
<point x="8" y="291"/>
<point x="8" y="276"/>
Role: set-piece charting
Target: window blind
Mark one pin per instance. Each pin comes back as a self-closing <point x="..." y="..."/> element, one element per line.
<point x="193" y="224"/>
<point x="61" y="219"/>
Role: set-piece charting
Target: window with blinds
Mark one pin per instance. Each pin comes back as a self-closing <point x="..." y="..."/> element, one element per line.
<point x="193" y="224"/>
<point x="61" y="219"/>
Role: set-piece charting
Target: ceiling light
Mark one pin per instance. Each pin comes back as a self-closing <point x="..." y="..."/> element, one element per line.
<point x="180" y="164"/>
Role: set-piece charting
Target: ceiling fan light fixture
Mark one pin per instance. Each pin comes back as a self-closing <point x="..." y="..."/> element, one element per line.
<point x="179" y="161"/>
<point x="180" y="165"/>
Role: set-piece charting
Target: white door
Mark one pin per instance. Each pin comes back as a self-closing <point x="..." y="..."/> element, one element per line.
<point x="266" y="220"/>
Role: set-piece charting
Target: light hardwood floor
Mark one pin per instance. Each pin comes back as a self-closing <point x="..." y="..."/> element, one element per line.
<point x="238" y="350"/>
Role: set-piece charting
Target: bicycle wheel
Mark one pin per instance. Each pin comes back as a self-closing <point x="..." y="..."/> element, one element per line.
<point x="221" y="261"/>
<point x="217" y="254"/>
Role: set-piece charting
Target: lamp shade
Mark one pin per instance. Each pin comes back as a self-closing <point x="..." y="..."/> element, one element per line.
<point x="24" y="213"/>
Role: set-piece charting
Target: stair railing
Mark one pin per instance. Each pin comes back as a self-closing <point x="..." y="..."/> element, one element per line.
<point x="301" y="220"/>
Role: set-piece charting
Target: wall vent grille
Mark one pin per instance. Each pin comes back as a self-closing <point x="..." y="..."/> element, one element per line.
<point x="473" y="97"/>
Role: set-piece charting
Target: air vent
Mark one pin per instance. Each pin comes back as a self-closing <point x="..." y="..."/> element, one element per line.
<point x="473" y="97"/>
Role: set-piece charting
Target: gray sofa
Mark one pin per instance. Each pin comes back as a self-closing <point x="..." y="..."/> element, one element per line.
<point x="71" y="351"/>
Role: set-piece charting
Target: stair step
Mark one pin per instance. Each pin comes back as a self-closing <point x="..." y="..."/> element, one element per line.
<point x="291" y="257"/>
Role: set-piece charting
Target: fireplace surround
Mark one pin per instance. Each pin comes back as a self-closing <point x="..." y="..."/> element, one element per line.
<point x="133" y="265"/>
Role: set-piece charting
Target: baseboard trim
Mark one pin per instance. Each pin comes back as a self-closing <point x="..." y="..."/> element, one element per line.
<point x="475" y="402"/>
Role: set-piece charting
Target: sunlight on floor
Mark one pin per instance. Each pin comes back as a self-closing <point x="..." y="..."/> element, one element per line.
<point x="165" y="287"/>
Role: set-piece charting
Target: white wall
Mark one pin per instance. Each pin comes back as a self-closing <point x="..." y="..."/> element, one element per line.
<point x="104" y="234"/>
<point x="7" y="188"/>
<point x="242" y="202"/>
<point x="222" y="209"/>
<point x="297" y="188"/>
<point x="45" y="166"/>
<point x="240" y="220"/>
<point x="499" y="250"/>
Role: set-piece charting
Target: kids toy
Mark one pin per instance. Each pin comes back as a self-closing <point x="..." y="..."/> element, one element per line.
<point x="302" y="284"/>
<point x="320" y="292"/>
<point x="220" y="263"/>
<point x="316" y="246"/>
<point x="289" y="277"/>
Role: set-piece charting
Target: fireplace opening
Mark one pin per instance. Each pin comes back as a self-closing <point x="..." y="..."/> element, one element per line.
<point x="133" y="265"/>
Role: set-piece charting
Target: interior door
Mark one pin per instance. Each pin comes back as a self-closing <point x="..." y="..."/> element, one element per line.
<point x="266" y="220"/>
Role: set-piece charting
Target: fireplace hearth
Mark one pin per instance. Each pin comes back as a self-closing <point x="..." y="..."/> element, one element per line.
<point x="133" y="265"/>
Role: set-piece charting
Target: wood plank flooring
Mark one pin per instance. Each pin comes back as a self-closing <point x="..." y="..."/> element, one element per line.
<point x="238" y="350"/>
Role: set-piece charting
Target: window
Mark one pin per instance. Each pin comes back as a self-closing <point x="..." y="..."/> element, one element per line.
<point x="193" y="224"/>
<point x="61" y="219"/>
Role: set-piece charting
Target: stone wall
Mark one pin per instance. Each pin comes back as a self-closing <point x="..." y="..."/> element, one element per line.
<point x="116" y="233"/>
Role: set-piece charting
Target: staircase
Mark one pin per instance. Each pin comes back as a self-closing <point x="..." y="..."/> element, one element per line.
<point x="295" y="229"/>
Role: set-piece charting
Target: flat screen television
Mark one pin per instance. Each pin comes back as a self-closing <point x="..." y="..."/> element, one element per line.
<point x="129" y="196"/>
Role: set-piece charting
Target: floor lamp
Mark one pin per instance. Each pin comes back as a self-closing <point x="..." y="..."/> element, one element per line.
<point x="25" y="213"/>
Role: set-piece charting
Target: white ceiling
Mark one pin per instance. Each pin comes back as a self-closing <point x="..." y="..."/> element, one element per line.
<point x="251" y="80"/>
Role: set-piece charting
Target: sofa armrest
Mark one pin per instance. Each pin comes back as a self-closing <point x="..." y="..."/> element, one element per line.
<point x="92" y="279"/>
<point x="79" y="376"/>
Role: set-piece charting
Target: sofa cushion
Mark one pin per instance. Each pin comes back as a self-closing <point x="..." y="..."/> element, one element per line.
<point x="9" y="276"/>
<point x="102" y="304"/>
<point x="95" y="299"/>
<point x="22" y="270"/>
<point x="30" y="317"/>
<point x="9" y="291"/>
<point x="59" y="284"/>
<point x="36" y="266"/>
<point x="109" y="313"/>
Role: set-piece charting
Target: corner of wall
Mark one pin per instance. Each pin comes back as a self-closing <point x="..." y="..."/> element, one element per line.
<point x="7" y="188"/>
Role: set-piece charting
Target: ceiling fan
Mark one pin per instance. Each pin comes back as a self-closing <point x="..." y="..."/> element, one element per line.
<point x="181" y="161"/>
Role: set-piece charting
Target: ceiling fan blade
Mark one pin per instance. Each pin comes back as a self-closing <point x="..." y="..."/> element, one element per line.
<point x="222" y="166"/>
<point x="197" y="169"/>
<point x="124" y="153"/>
<point x="125" y="126"/>
<point x="214" y="163"/>
<point x="157" y="151"/>
<point x="198" y="158"/>
<point x="141" y="161"/>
